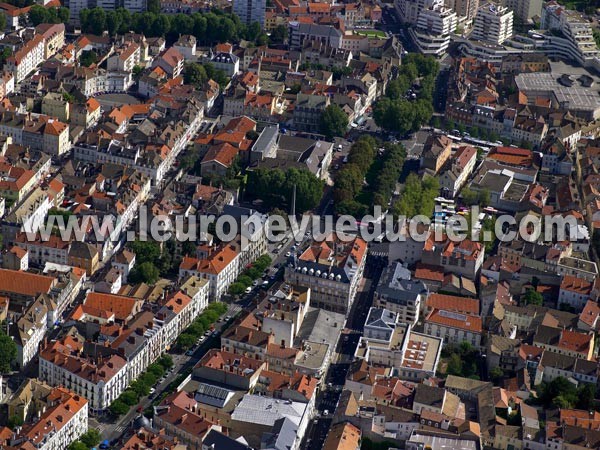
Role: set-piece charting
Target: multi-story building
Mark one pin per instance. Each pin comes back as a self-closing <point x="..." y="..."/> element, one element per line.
<point x="99" y="382"/>
<point x="54" y="37"/>
<point x="62" y="419"/>
<point x="386" y="342"/>
<point x="574" y="292"/>
<point x="463" y="163"/>
<point x="408" y="10"/>
<point x="574" y="40"/>
<point x="460" y="258"/>
<point x="493" y="24"/>
<point x="250" y="11"/>
<point x="125" y="58"/>
<point x="219" y="266"/>
<point x="31" y="328"/>
<point x="300" y="33"/>
<point x="27" y="58"/>
<point x="466" y="10"/>
<point x="332" y="269"/>
<point x="454" y="328"/>
<point x="524" y="10"/>
<point x="435" y="25"/>
<point x="400" y="295"/>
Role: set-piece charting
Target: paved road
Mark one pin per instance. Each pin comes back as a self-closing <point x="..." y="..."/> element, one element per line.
<point x="335" y="378"/>
<point x="112" y="430"/>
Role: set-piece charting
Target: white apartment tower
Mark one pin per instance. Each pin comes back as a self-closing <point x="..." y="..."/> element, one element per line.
<point x="524" y="9"/>
<point x="434" y="26"/>
<point x="493" y="24"/>
<point x="466" y="10"/>
<point x="250" y="11"/>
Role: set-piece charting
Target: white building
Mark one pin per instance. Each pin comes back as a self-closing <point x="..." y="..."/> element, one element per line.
<point x="58" y="426"/>
<point x="454" y="328"/>
<point x="575" y="41"/>
<point x="27" y="58"/>
<point x="493" y="24"/>
<point x="399" y="294"/>
<point x="435" y="24"/>
<point x="31" y="328"/>
<point x="524" y="10"/>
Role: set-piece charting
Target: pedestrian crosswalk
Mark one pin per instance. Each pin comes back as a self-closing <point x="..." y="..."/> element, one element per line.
<point x="120" y="428"/>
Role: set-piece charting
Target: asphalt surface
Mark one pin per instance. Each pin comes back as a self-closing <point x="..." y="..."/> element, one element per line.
<point x="335" y="378"/>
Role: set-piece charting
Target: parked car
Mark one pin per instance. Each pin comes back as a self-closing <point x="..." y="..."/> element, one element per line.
<point x="248" y="290"/>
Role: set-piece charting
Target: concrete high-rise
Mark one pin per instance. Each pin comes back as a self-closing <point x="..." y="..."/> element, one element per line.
<point x="250" y="11"/>
<point x="493" y="24"/>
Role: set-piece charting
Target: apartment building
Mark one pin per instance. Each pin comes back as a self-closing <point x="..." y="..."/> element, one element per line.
<point x="62" y="419"/>
<point x="524" y="10"/>
<point x="575" y="40"/>
<point x="493" y="24"/>
<point x="219" y="266"/>
<point x="125" y="58"/>
<point x="463" y="258"/>
<point x="250" y="11"/>
<point x="454" y="328"/>
<point x="27" y="58"/>
<point x="386" y="342"/>
<point x="100" y="382"/>
<point x="332" y="269"/>
<point x="575" y="292"/>
<point x="462" y="165"/>
<point x="435" y="24"/>
<point x="54" y="37"/>
<point x="399" y="294"/>
<point x="30" y="330"/>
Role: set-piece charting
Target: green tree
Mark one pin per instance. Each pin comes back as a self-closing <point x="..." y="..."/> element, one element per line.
<point x="88" y="57"/>
<point x="145" y="272"/>
<point x="334" y="122"/>
<point x="156" y="370"/>
<point x="78" y="445"/>
<point x="64" y="14"/>
<point x="137" y="72"/>
<point x="455" y="365"/>
<point x="279" y="34"/>
<point x="91" y="438"/>
<point x="117" y="408"/>
<point x="93" y="20"/>
<point x="195" y="74"/>
<point x="245" y="280"/>
<point x="549" y="393"/>
<point x="532" y="297"/>
<point x="145" y="251"/>
<point x="484" y="197"/>
<point x="237" y="288"/>
<point x="185" y="340"/>
<point x="586" y="393"/>
<point x="496" y="374"/>
<point x="129" y="397"/>
<point x="14" y="422"/>
<point x="8" y="352"/>
<point x="469" y="196"/>
<point x="153" y="6"/>
<point x="38" y="14"/>
<point x="166" y="361"/>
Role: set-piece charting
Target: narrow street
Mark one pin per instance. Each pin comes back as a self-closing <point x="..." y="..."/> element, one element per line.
<point x="334" y="380"/>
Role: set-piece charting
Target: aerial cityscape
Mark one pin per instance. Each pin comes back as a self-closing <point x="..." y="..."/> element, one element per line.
<point x="299" y="225"/>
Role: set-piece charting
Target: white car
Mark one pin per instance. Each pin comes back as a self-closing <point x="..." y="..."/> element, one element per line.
<point x="288" y="254"/>
<point x="248" y="290"/>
